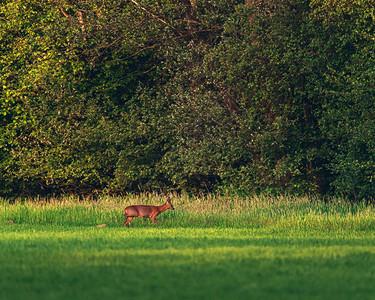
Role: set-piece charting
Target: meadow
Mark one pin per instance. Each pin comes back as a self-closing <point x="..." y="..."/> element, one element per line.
<point x="213" y="247"/>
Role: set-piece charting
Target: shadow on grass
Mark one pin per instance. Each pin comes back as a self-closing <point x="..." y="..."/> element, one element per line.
<point x="57" y="262"/>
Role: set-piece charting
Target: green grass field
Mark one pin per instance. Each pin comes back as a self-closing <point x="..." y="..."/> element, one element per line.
<point x="207" y="248"/>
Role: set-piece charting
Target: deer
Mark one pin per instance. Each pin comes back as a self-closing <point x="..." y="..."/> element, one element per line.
<point x="146" y="211"/>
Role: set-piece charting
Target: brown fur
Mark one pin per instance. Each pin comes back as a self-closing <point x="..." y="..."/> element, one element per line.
<point x="146" y="211"/>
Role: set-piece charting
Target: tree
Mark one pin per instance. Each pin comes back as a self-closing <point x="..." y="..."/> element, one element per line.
<point x="349" y="107"/>
<point x="121" y="96"/>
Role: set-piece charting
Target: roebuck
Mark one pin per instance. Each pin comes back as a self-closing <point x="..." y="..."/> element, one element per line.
<point x="146" y="211"/>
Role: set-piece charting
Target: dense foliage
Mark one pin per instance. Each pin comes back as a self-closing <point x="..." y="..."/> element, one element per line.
<point x="257" y="96"/>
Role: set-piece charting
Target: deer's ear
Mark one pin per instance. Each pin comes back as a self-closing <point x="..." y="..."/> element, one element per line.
<point x="168" y="199"/>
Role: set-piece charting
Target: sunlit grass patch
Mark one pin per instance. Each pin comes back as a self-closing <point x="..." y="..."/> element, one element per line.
<point x="208" y="211"/>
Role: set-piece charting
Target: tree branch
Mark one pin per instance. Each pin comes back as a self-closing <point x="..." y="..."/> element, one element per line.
<point x="155" y="16"/>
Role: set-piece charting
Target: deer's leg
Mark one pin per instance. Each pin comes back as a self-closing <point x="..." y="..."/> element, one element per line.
<point x="128" y="221"/>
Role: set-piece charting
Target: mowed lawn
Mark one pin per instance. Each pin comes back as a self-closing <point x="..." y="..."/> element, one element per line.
<point x="275" y="260"/>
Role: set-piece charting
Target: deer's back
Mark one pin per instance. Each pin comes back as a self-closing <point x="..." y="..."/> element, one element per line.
<point x="142" y="211"/>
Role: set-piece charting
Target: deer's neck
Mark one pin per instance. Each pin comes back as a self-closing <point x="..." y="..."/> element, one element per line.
<point x="163" y="207"/>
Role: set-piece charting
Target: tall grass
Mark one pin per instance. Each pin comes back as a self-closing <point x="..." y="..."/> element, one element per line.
<point x="211" y="210"/>
<point x="208" y="247"/>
